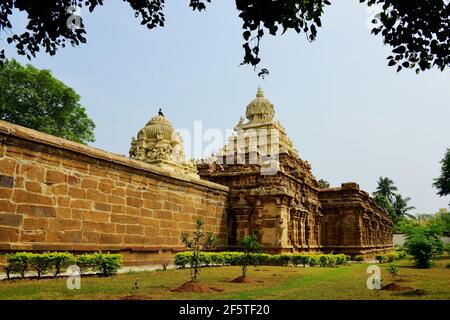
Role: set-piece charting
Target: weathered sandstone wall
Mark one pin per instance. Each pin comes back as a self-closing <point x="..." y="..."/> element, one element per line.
<point x="353" y="223"/>
<point x="60" y="195"/>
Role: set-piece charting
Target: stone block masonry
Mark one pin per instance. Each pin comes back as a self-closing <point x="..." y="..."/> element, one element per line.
<point x="60" y="195"/>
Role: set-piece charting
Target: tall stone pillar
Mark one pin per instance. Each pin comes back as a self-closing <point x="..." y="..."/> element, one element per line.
<point x="282" y="212"/>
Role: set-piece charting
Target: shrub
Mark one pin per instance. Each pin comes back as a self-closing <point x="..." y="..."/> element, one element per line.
<point x="380" y="258"/>
<point x="182" y="259"/>
<point x="232" y="258"/>
<point x="393" y="270"/>
<point x="358" y="258"/>
<point x="422" y="249"/>
<point x="217" y="258"/>
<point x="331" y="260"/>
<point x="59" y="261"/>
<point x="280" y="259"/>
<point x="314" y="260"/>
<point x="284" y="259"/>
<point x="106" y="263"/>
<point x="341" y="259"/>
<point x="261" y="258"/>
<point x="327" y="260"/>
<point x="391" y="256"/>
<point x="86" y="262"/>
<point x="300" y="259"/>
<point x="274" y="260"/>
<point x="18" y="263"/>
<point x="447" y="247"/>
<point x="40" y="262"/>
<point x="424" y="243"/>
<point x="401" y="254"/>
<point x="236" y="258"/>
<point x="205" y="258"/>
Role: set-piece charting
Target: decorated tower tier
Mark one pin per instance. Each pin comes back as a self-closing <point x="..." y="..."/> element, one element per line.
<point x="158" y="143"/>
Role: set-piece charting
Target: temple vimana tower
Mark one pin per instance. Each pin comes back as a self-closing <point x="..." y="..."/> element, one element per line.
<point x="274" y="194"/>
<point x="60" y="195"/>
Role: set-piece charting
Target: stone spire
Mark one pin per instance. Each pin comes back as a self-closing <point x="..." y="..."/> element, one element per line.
<point x="260" y="109"/>
<point x="158" y="143"/>
<point x="260" y="114"/>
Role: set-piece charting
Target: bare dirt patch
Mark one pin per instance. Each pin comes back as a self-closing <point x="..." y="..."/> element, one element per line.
<point x="395" y="287"/>
<point x="195" y="287"/>
<point x="415" y="292"/>
<point x="242" y="279"/>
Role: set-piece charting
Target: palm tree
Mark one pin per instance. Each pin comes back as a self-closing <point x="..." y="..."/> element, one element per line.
<point x="386" y="188"/>
<point x="401" y="207"/>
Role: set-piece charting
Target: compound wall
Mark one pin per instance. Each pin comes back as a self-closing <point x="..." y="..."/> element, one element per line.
<point x="60" y="195"/>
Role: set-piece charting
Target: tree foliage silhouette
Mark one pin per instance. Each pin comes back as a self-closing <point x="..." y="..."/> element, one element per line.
<point x="442" y="183"/>
<point x="418" y="31"/>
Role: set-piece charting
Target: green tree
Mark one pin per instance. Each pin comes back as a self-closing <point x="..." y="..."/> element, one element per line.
<point x="444" y="216"/>
<point x="442" y="183"/>
<point x="424" y="242"/>
<point x="251" y="245"/>
<point x="417" y="31"/>
<point x="401" y="206"/>
<point x="197" y="244"/>
<point x="404" y="224"/>
<point x="422" y="250"/>
<point x="34" y="98"/>
<point x="386" y="188"/>
<point x="384" y="202"/>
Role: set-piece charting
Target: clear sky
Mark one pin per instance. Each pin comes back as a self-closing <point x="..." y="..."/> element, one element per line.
<point x="352" y="117"/>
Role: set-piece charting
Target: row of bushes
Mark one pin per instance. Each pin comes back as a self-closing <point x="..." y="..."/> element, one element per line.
<point x="391" y="256"/>
<point x="54" y="263"/>
<point x="182" y="259"/>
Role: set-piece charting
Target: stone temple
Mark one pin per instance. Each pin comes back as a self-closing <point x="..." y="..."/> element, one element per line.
<point x="60" y="195"/>
<point x="287" y="207"/>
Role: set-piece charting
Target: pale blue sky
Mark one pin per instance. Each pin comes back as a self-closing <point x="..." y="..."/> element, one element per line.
<point x="352" y="117"/>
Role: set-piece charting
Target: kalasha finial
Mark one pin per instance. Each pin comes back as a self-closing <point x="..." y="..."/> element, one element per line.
<point x="160" y="113"/>
<point x="260" y="93"/>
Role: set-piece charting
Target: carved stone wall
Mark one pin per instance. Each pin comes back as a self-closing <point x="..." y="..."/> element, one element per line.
<point x="353" y="223"/>
<point x="286" y="205"/>
<point x="284" y="208"/>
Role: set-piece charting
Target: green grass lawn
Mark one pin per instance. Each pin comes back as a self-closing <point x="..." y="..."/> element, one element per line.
<point x="344" y="282"/>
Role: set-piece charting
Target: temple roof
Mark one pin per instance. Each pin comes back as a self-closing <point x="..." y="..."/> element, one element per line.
<point x="158" y="143"/>
<point x="260" y="109"/>
<point x="158" y="127"/>
<point x="260" y="113"/>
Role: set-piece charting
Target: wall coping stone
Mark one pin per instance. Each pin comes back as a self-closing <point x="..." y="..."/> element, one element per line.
<point x="27" y="134"/>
